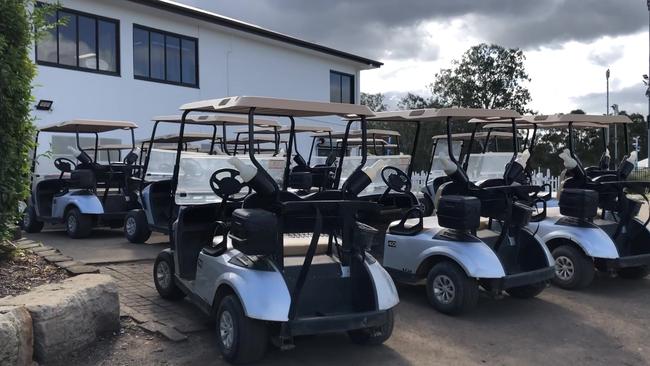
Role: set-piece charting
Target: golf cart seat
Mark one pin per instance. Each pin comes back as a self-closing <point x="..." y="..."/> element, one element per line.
<point x="579" y="203"/>
<point x="459" y="212"/>
<point x="82" y="179"/>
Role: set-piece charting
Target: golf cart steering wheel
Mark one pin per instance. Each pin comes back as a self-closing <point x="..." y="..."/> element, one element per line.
<point x="396" y="179"/>
<point x="229" y="185"/>
<point x="65" y="165"/>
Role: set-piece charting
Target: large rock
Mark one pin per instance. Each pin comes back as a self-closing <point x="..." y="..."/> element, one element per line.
<point x="70" y="315"/>
<point x="16" y="341"/>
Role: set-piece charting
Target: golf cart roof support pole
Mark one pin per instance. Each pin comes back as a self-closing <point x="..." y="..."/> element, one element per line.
<point x="311" y="150"/>
<point x="418" y="127"/>
<point x="533" y="138"/>
<point x="287" y="165"/>
<point x="468" y="151"/>
<point x="364" y="142"/>
<point x="344" y="147"/>
<point x="177" y="166"/>
<point x="487" y="141"/>
<point x="33" y="168"/>
<point x="526" y="140"/>
<point x="603" y="132"/>
<point x="515" y="142"/>
<point x="132" y="140"/>
<point x="214" y="137"/>
<point x="224" y="139"/>
<point x="450" y="149"/>
<point x="149" y="148"/>
<point x="433" y="153"/>
<point x="277" y="140"/>
<point x="234" y="153"/>
<point x="251" y="136"/>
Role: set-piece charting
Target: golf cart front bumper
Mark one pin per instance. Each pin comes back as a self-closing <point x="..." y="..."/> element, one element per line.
<point x="336" y="323"/>
<point x="627" y="262"/>
<point x="524" y="278"/>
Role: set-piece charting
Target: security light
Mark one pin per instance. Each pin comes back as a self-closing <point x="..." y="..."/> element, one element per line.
<point x="44" y="105"/>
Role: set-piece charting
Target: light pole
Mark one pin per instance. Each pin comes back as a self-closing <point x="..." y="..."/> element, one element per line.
<point x="615" y="109"/>
<point x="607" y="109"/>
<point x="647" y="93"/>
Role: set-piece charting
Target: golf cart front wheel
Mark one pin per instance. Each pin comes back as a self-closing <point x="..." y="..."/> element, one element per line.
<point x="376" y="335"/>
<point x="527" y="291"/>
<point x="573" y="269"/>
<point x="30" y="222"/>
<point x="163" y="277"/>
<point x="240" y="339"/>
<point x="77" y="224"/>
<point x="450" y="290"/>
<point x="136" y="228"/>
<point x="634" y="273"/>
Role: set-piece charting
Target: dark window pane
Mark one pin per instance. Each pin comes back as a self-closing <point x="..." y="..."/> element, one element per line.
<point x="140" y="52"/>
<point x="335" y="87"/>
<point x="188" y="54"/>
<point x="46" y="45"/>
<point x="157" y="55"/>
<point x="346" y="89"/>
<point x="68" y="39"/>
<point x="107" y="46"/>
<point x="87" y="43"/>
<point x="173" y="59"/>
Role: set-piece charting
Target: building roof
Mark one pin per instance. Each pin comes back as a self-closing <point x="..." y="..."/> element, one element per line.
<point x="210" y="17"/>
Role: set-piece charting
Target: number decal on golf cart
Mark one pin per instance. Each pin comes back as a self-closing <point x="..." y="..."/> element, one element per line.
<point x="392" y="243"/>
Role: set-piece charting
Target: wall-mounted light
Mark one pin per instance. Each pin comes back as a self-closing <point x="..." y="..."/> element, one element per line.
<point x="44" y="105"/>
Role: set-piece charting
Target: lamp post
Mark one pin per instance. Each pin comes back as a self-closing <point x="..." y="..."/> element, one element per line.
<point x="615" y="109"/>
<point x="607" y="109"/>
<point x="647" y="93"/>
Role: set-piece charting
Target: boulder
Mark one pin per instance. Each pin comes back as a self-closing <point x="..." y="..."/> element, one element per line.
<point x="16" y="341"/>
<point x="70" y="315"/>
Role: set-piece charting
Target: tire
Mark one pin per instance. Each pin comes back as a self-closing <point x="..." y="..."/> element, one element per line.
<point x="240" y="339"/>
<point x="573" y="269"/>
<point x="77" y="224"/>
<point x="634" y="273"/>
<point x="163" y="277"/>
<point x="30" y="223"/>
<point x="374" y="336"/>
<point x="527" y="291"/>
<point x="136" y="227"/>
<point x="461" y="292"/>
<point x="427" y="205"/>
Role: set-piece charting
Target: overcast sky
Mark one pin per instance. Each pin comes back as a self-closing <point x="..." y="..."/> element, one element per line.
<point x="568" y="43"/>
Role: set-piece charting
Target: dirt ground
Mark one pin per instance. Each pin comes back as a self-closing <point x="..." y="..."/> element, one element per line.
<point x="26" y="271"/>
<point x="607" y="324"/>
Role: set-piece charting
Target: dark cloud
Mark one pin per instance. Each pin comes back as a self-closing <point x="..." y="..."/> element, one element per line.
<point x="630" y="99"/>
<point x="389" y="29"/>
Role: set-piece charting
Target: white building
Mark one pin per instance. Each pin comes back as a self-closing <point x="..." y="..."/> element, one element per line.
<point x="135" y="59"/>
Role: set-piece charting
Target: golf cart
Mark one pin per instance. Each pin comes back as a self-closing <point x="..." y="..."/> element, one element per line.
<point x="85" y="193"/>
<point x="281" y="265"/>
<point x="581" y="239"/>
<point x="452" y="253"/>
<point x="155" y="186"/>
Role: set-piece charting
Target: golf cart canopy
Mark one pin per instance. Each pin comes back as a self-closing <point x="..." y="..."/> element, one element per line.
<point x="217" y="120"/>
<point x="173" y="138"/>
<point x="88" y="126"/>
<point x="371" y="132"/>
<point x="461" y="114"/>
<point x="110" y="147"/>
<point x="287" y="129"/>
<point x="561" y="120"/>
<point x="277" y="107"/>
<point x="468" y="135"/>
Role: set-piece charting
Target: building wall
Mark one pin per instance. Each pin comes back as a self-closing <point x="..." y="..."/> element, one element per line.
<point x="230" y="63"/>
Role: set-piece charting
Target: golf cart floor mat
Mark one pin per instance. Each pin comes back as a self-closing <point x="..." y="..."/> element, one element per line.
<point x="326" y="290"/>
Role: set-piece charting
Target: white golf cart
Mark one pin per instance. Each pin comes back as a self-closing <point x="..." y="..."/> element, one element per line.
<point x="155" y="186"/>
<point x="451" y="253"/>
<point x="581" y="239"/>
<point x="280" y="265"/>
<point x="86" y="193"/>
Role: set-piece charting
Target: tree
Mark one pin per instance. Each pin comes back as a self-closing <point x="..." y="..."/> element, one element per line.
<point x="20" y="22"/>
<point x="486" y="76"/>
<point x="414" y="101"/>
<point x="373" y="101"/>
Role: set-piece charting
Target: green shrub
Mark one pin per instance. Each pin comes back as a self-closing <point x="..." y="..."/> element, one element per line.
<point x="20" y="24"/>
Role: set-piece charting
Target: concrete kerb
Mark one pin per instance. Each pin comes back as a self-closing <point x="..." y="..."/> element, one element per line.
<point x="54" y="256"/>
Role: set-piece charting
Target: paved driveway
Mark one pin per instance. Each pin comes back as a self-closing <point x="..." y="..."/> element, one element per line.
<point x="103" y="246"/>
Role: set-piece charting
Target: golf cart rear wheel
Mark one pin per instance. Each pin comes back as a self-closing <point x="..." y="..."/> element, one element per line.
<point x="450" y="290"/>
<point x="163" y="277"/>
<point x="634" y="273"/>
<point x="136" y="228"/>
<point x="77" y="224"/>
<point x="240" y="339"/>
<point x="374" y="336"/>
<point x="573" y="269"/>
<point x="30" y="223"/>
<point x="528" y="291"/>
